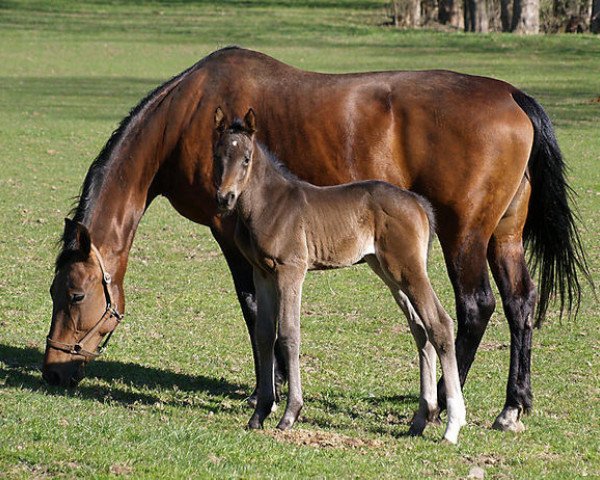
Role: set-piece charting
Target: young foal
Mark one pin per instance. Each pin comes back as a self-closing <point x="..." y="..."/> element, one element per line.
<point x="286" y="227"/>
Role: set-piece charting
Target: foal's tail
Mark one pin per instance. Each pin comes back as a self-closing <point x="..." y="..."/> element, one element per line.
<point x="556" y="252"/>
<point x="430" y="216"/>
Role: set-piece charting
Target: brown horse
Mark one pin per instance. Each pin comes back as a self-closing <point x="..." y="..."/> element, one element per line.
<point x="481" y="151"/>
<point x="286" y="227"/>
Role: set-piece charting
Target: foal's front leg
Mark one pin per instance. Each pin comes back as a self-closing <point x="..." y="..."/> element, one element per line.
<point x="290" y="293"/>
<point x="267" y="307"/>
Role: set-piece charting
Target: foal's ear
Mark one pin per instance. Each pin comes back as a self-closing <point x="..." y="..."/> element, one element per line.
<point x="250" y="121"/>
<point x="77" y="236"/>
<point x="220" y="120"/>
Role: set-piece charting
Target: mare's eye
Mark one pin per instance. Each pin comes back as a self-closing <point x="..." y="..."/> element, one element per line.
<point x="77" y="298"/>
<point x="246" y="160"/>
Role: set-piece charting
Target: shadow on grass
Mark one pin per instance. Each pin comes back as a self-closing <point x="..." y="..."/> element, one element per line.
<point x="354" y="408"/>
<point x="22" y="365"/>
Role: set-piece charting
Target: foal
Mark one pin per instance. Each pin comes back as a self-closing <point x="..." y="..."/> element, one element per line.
<point x="286" y="227"/>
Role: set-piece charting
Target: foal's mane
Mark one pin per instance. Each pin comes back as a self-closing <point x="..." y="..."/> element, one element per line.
<point x="237" y="126"/>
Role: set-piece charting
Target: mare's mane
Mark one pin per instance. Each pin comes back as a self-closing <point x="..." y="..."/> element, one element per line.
<point x="94" y="179"/>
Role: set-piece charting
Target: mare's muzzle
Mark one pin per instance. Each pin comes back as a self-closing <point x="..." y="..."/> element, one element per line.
<point x="225" y="201"/>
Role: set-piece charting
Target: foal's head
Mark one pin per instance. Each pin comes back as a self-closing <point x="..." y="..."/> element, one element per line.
<point x="232" y="159"/>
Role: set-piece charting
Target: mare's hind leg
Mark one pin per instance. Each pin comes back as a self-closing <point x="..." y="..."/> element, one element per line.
<point x="475" y="303"/>
<point x="507" y="262"/>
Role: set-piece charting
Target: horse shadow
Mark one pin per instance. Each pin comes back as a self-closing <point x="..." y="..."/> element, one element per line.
<point x="141" y="385"/>
<point x="20" y="366"/>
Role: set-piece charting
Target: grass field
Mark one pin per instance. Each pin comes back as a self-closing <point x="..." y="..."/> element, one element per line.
<point x="167" y="401"/>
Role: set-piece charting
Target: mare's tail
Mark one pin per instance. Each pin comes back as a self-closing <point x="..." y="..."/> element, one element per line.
<point x="550" y="234"/>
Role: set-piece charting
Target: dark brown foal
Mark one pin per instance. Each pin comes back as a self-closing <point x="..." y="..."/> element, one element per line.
<point x="286" y="227"/>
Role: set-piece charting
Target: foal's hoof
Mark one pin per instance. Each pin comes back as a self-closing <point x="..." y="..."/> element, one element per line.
<point x="285" y="423"/>
<point x="509" y="420"/>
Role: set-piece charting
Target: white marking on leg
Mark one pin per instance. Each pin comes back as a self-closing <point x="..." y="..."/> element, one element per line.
<point x="456" y="418"/>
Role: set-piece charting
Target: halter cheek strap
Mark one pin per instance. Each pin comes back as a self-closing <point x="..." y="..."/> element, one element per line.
<point x="110" y="312"/>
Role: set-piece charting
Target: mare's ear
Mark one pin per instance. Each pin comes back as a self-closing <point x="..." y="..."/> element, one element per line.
<point x="250" y="121"/>
<point x="220" y="120"/>
<point x="77" y="237"/>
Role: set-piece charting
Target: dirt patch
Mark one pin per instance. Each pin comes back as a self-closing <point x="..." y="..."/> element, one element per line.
<point x="493" y="345"/>
<point x="321" y="439"/>
<point x="595" y="100"/>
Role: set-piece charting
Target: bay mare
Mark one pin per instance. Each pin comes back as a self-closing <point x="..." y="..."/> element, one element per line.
<point x="481" y="151"/>
<point x="286" y="227"/>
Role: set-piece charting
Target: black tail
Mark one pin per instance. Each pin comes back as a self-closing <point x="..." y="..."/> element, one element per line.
<point x="550" y="234"/>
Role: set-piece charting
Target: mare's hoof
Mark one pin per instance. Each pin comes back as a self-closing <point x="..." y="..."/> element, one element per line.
<point x="509" y="420"/>
<point x="509" y="426"/>
<point x="416" y="428"/>
<point x="254" y="424"/>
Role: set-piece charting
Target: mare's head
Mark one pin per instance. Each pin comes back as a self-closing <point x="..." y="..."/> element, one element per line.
<point x="233" y="153"/>
<point x="83" y="310"/>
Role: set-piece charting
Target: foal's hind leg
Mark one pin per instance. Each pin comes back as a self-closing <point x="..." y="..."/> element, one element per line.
<point x="426" y="317"/>
<point x="507" y="262"/>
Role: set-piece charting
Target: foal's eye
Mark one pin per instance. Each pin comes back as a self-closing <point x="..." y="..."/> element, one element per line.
<point x="77" y="298"/>
<point x="246" y="160"/>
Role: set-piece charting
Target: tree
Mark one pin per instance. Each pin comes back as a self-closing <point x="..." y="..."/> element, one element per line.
<point x="526" y="16"/>
<point x="406" y="13"/>
<point x="595" y="20"/>
<point x="476" y="16"/>
<point x="451" y="13"/>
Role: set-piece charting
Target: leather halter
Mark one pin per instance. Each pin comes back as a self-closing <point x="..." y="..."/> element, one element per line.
<point x="110" y="312"/>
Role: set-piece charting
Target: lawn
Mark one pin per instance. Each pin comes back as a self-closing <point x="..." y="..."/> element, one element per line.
<point x="167" y="401"/>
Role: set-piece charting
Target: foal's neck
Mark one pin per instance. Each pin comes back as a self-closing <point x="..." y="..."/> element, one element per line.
<point x="265" y="185"/>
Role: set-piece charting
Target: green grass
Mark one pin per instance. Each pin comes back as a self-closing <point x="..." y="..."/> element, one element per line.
<point x="167" y="400"/>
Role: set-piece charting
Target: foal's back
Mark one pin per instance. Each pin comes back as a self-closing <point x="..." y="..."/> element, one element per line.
<point x="345" y="223"/>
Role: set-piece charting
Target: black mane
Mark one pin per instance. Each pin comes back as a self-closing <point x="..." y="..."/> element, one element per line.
<point x="96" y="174"/>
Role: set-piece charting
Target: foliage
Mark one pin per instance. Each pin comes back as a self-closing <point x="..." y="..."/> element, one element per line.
<point x="168" y="399"/>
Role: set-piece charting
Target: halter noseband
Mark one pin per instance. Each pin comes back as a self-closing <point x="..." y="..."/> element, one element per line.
<point x="110" y="312"/>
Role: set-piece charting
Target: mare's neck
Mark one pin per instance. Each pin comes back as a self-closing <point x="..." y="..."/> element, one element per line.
<point x="265" y="187"/>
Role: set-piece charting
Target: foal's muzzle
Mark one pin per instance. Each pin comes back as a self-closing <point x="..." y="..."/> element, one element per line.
<point x="225" y="201"/>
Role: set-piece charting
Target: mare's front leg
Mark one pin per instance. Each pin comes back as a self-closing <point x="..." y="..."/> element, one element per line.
<point x="290" y="292"/>
<point x="267" y="309"/>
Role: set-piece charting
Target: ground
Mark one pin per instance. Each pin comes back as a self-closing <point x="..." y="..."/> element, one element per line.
<point x="168" y="399"/>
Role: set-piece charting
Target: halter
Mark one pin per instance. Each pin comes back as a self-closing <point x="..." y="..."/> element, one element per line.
<point x="110" y="312"/>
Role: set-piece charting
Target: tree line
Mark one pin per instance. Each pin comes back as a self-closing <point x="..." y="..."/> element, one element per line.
<point x="518" y="16"/>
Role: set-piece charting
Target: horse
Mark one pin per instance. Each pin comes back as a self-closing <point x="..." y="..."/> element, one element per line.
<point x="481" y="151"/>
<point x="286" y="227"/>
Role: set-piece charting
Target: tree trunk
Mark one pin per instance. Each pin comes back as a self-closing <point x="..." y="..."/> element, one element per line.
<point x="595" y="20"/>
<point x="451" y="13"/>
<point x="395" y="14"/>
<point x="476" y="16"/>
<point x="526" y="16"/>
<point x="414" y="13"/>
<point x="505" y="15"/>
